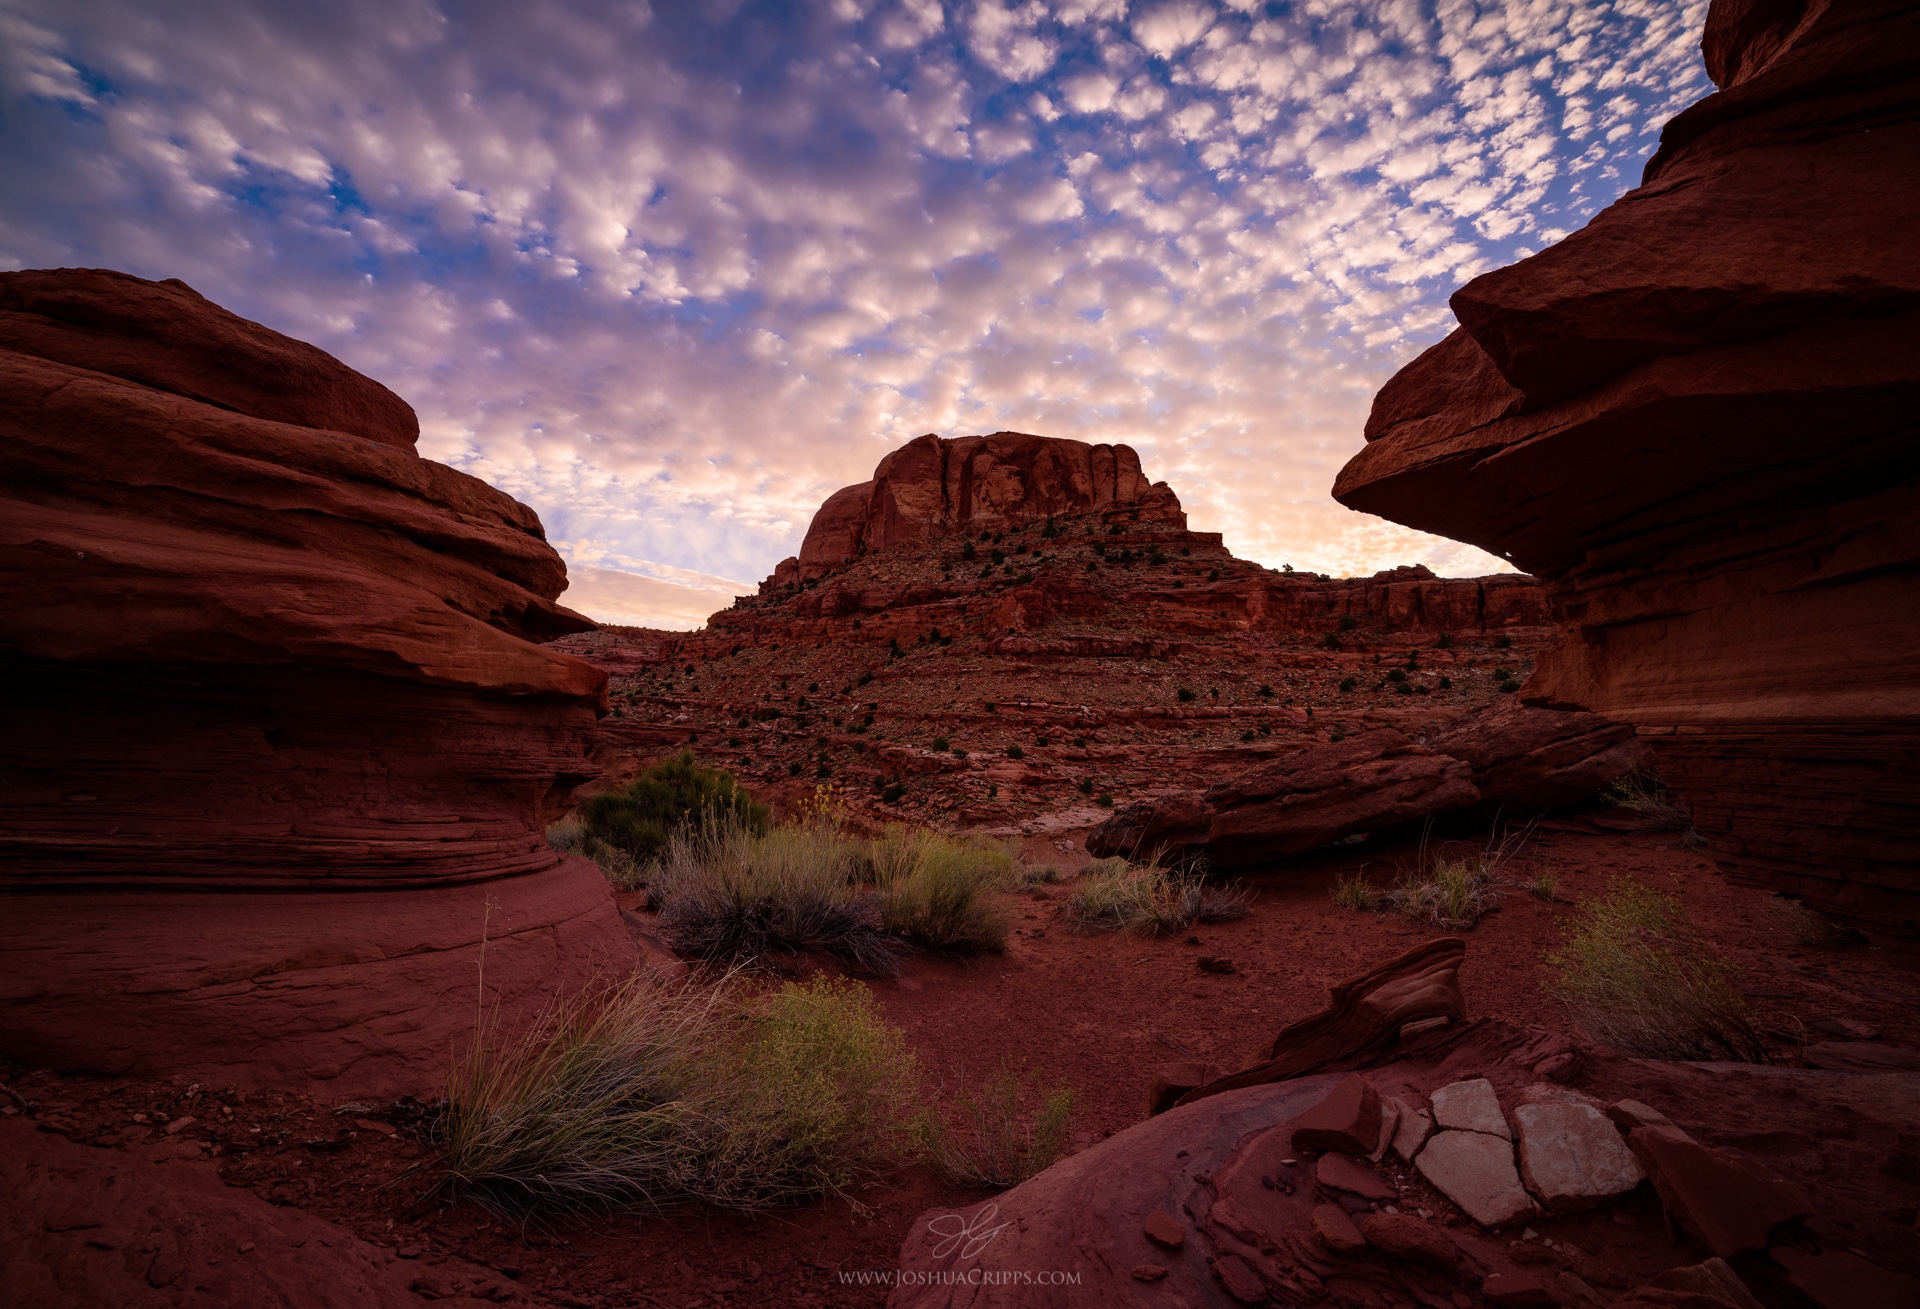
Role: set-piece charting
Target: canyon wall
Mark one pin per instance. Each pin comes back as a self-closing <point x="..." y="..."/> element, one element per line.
<point x="282" y="738"/>
<point x="1695" y="421"/>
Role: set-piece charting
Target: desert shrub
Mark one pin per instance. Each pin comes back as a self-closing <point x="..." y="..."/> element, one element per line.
<point x="1041" y="875"/>
<point x="937" y="892"/>
<point x="1635" y="974"/>
<point x="668" y="797"/>
<point x="1355" y="892"/>
<point x="1015" y="752"/>
<point x="1502" y="642"/>
<point x="1149" y="899"/>
<point x="1104" y="799"/>
<point x="1348" y="622"/>
<point x="1184" y="695"/>
<point x="1348" y="683"/>
<point x="940" y="744"/>
<point x="570" y="836"/>
<point x="1546" y="887"/>
<point x="650" y="1095"/>
<point x="733" y="896"/>
<point x="999" y="1143"/>
<point x="1643" y="793"/>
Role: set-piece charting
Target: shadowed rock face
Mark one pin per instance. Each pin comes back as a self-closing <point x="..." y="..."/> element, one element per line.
<point x="246" y="653"/>
<point x="931" y="487"/>
<point x="1695" y="422"/>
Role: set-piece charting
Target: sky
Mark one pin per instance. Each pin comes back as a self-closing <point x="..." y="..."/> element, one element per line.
<point x="671" y="273"/>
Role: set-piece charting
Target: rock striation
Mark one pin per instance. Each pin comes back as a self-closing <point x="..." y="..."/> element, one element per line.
<point x="282" y="737"/>
<point x="934" y="486"/>
<point x="1694" y="420"/>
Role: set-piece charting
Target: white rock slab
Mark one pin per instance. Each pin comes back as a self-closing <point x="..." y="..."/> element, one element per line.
<point x="1390" y="1110"/>
<point x="1475" y="1170"/>
<point x="1470" y="1107"/>
<point x="1572" y="1156"/>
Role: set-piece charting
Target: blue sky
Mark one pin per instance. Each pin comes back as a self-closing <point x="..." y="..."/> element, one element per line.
<point x="672" y="273"/>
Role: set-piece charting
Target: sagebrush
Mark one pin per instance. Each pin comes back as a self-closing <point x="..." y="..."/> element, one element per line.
<point x="1001" y="1140"/>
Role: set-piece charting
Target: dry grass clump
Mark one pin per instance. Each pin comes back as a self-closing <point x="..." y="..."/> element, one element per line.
<point x="1810" y="927"/>
<point x="1635" y="974"/>
<point x="1448" y="893"/>
<point x="1149" y="899"/>
<point x="1355" y="892"/>
<point x="1000" y="1144"/>
<point x="937" y="892"/>
<point x="734" y="896"/>
<point x="646" y="1095"/>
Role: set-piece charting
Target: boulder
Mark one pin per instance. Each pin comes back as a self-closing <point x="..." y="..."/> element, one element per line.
<point x="1732" y="1203"/>
<point x="1411" y="1131"/>
<point x="1475" y="1171"/>
<point x="1572" y="1156"/>
<point x="1693" y="420"/>
<point x="1713" y="1277"/>
<point x="1470" y="1106"/>
<point x="1527" y="760"/>
<point x="1347" y="1118"/>
<point x="285" y="739"/>
<point x="1295" y="804"/>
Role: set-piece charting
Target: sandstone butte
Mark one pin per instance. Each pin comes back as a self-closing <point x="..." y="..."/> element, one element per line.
<point x="1694" y="420"/>
<point x="282" y="738"/>
<point x="988" y="595"/>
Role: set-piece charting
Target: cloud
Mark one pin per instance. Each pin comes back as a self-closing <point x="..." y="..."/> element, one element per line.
<point x="633" y="599"/>
<point x="673" y="274"/>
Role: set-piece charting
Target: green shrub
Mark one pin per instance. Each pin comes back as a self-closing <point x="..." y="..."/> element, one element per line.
<point x="1348" y="683"/>
<point x="893" y="793"/>
<point x="1348" y="622"/>
<point x="1635" y="974"/>
<point x="1015" y="752"/>
<point x="649" y="1095"/>
<point x="1086" y="786"/>
<point x="940" y="744"/>
<point x="665" y="799"/>
<point x="1104" y="799"/>
<point x="734" y="896"/>
<point x="1502" y="642"/>
<point x="999" y="1144"/>
<point x="1184" y="695"/>
<point x="570" y="836"/>
<point x="1149" y="899"/>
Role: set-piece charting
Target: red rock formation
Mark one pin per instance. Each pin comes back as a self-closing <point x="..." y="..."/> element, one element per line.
<point x="281" y="741"/>
<point x="933" y="487"/>
<point x="1226" y="1170"/>
<point x="1070" y="636"/>
<point x="1694" y="420"/>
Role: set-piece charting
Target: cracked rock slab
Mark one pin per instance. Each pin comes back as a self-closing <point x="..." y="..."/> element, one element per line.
<point x="1572" y="1156"/>
<point x="1475" y="1170"/>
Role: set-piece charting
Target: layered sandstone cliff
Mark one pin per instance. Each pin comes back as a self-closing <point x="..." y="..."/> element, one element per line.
<point x="1695" y="421"/>
<point x="1063" y="641"/>
<point x="934" y="487"/>
<point x="282" y="740"/>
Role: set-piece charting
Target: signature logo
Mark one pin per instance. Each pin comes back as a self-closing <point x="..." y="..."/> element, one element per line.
<point x="967" y="1235"/>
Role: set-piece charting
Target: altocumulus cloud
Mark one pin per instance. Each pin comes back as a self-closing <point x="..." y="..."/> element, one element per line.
<point x="673" y="273"/>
